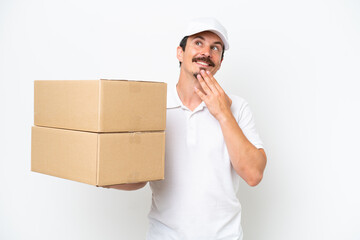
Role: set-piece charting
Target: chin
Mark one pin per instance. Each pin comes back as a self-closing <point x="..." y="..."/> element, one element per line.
<point x="198" y="72"/>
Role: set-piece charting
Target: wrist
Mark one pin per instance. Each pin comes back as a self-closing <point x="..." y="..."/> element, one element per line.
<point x="225" y="118"/>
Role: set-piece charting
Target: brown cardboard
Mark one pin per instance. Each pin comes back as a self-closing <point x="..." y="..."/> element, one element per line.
<point x="100" y="105"/>
<point x="98" y="158"/>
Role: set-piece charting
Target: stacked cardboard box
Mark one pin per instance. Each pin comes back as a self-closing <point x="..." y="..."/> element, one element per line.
<point x="99" y="132"/>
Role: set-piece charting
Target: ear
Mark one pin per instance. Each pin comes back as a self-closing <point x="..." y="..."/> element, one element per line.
<point x="179" y="54"/>
<point x="220" y="62"/>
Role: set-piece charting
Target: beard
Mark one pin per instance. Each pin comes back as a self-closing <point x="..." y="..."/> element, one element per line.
<point x="197" y="73"/>
<point x="203" y="59"/>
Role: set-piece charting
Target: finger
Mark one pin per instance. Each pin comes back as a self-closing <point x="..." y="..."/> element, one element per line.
<point x="200" y="94"/>
<point x="213" y="80"/>
<point x="229" y="99"/>
<point x="203" y="84"/>
<point x="208" y="81"/>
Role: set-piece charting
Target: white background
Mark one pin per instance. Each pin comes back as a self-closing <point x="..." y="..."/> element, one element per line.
<point x="296" y="62"/>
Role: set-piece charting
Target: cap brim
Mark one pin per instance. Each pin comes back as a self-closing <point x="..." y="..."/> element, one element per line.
<point x="222" y="37"/>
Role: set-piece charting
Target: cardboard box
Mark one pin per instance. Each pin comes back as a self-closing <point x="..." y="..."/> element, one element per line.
<point x="100" y="105"/>
<point x="98" y="158"/>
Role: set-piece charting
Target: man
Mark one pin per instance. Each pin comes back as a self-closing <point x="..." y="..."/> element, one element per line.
<point x="211" y="140"/>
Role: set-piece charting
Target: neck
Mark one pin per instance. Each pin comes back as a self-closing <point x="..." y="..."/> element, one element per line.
<point x="186" y="92"/>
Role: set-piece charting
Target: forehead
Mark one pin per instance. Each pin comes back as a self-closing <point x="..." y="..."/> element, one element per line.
<point x="207" y="36"/>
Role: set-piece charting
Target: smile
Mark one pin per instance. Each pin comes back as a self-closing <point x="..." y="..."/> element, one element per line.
<point x="203" y="64"/>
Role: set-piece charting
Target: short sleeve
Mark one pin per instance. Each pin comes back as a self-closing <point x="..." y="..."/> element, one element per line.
<point x="245" y="119"/>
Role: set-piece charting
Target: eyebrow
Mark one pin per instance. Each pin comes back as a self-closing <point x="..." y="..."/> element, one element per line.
<point x="218" y="43"/>
<point x="201" y="37"/>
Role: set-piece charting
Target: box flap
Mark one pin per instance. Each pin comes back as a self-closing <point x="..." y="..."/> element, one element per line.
<point x="64" y="153"/>
<point x="128" y="106"/>
<point x="132" y="80"/>
<point x="131" y="157"/>
<point x="69" y="104"/>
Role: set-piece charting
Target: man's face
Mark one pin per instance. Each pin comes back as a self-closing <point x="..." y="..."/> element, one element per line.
<point x="203" y="51"/>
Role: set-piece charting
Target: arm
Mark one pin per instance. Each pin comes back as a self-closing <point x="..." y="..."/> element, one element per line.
<point x="128" y="187"/>
<point x="248" y="161"/>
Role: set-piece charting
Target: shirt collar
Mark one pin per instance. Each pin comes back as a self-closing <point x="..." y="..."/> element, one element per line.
<point x="173" y="99"/>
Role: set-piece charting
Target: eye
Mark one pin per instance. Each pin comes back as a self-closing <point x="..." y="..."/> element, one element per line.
<point x="198" y="43"/>
<point x="215" y="48"/>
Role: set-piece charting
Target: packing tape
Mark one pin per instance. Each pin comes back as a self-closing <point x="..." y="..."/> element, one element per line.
<point x="135" y="138"/>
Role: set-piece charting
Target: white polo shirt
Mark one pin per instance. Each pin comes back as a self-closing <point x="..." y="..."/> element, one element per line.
<point x="197" y="199"/>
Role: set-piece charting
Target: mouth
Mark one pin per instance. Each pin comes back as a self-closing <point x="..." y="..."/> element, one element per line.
<point x="203" y="62"/>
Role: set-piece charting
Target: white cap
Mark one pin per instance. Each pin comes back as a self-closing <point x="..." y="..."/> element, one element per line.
<point x="207" y="24"/>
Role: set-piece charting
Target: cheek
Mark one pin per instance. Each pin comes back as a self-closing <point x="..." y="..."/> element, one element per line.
<point x="218" y="64"/>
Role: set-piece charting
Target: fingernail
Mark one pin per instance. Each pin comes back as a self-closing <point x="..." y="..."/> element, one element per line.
<point x="207" y="72"/>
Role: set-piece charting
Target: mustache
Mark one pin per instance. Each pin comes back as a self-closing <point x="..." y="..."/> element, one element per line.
<point x="205" y="60"/>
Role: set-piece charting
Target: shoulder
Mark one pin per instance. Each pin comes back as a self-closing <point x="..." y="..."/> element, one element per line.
<point x="239" y="107"/>
<point x="237" y="99"/>
<point x="238" y="102"/>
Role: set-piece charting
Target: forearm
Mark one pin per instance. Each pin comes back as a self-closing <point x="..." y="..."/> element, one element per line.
<point x="128" y="187"/>
<point x="248" y="161"/>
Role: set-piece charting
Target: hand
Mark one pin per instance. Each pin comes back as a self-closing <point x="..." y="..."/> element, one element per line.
<point x="214" y="96"/>
<point x="127" y="186"/>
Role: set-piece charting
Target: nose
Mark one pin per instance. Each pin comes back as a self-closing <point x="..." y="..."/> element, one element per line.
<point x="206" y="51"/>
